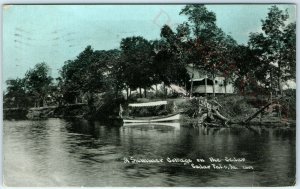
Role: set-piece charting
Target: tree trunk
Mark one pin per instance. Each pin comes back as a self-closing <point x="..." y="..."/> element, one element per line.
<point x="91" y="102"/>
<point x="279" y="86"/>
<point x="279" y="109"/>
<point x="44" y="102"/>
<point x="156" y="90"/>
<point x="191" y="90"/>
<point x="140" y="92"/>
<point x="220" y="116"/>
<point x="202" y="118"/>
<point x="243" y="85"/>
<point x="145" y="92"/>
<point x="225" y="84"/>
<point x="205" y="81"/>
<point x="127" y="93"/>
<point x="165" y="91"/>
<point x="271" y="86"/>
<point x="279" y="79"/>
<point x="214" y="93"/>
<point x="185" y="88"/>
<point x="257" y="113"/>
<point x="213" y="75"/>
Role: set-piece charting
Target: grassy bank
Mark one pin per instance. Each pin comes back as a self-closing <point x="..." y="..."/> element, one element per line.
<point x="234" y="107"/>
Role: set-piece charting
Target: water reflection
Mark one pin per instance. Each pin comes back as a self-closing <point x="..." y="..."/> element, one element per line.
<point x="58" y="152"/>
<point x="158" y="125"/>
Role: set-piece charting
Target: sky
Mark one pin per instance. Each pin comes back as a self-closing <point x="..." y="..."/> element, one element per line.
<point x="57" y="33"/>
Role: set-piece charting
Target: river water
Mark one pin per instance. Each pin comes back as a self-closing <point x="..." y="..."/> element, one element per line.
<point x="56" y="152"/>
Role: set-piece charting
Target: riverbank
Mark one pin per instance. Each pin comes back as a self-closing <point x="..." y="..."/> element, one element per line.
<point x="233" y="107"/>
<point x="241" y="110"/>
<point x="36" y="113"/>
<point x="15" y="113"/>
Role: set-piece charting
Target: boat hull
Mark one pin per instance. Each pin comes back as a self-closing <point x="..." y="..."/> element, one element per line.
<point x="175" y="125"/>
<point x="173" y="117"/>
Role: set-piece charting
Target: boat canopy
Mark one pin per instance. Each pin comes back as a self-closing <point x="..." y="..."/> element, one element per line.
<point x="157" y="103"/>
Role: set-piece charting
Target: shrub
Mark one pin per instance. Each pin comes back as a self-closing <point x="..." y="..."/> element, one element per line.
<point x="190" y="107"/>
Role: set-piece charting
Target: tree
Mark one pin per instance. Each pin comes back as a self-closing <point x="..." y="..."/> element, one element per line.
<point x="88" y="74"/>
<point x="136" y="63"/>
<point x="169" y="61"/>
<point x="248" y="70"/>
<point x="289" y="51"/>
<point x="201" y="20"/>
<point x="211" y="46"/>
<point x="108" y="63"/>
<point x="277" y="46"/>
<point x="16" y="96"/>
<point x="37" y="83"/>
<point x="75" y="76"/>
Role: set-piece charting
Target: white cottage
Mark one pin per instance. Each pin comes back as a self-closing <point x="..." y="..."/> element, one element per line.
<point x="203" y="84"/>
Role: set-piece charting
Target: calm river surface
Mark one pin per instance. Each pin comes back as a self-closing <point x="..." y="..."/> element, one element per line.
<point x="56" y="152"/>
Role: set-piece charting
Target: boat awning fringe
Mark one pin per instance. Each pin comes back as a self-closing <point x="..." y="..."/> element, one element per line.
<point x="157" y="103"/>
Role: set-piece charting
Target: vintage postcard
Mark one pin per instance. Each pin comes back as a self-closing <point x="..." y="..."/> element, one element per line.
<point x="191" y="95"/>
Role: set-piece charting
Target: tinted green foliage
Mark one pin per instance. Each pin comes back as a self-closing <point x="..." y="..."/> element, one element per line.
<point x="16" y="95"/>
<point x="32" y="90"/>
<point x="38" y="82"/>
<point x="136" y="62"/>
<point x="275" y="47"/>
<point x="91" y="72"/>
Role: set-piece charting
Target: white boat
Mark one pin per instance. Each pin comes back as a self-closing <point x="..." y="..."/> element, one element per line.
<point x="152" y="119"/>
<point x="170" y="117"/>
<point x="175" y="125"/>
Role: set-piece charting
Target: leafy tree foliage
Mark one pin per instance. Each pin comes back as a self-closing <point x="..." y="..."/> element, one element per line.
<point x="275" y="47"/>
<point x="75" y="76"/>
<point x="89" y="73"/>
<point x="201" y="20"/>
<point x="15" y="95"/>
<point x="169" y="60"/>
<point x="38" y="82"/>
<point x="289" y="51"/>
<point x="211" y="47"/>
<point x="136" y="63"/>
<point x="247" y="69"/>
